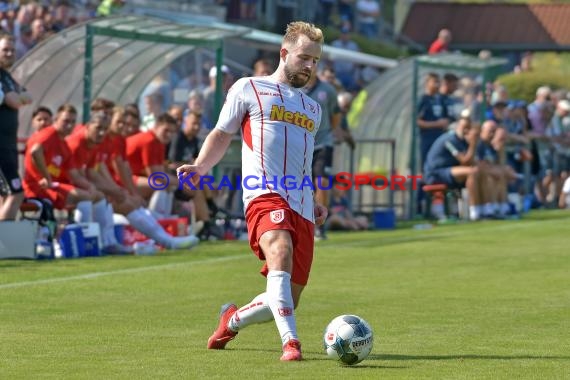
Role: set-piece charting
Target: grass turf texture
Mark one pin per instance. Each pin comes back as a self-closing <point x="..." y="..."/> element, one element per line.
<point x="485" y="300"/>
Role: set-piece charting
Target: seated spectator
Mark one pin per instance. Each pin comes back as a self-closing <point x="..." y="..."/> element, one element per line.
<point x="41" y="118"/>
<point x="146" y="156"/>
<point x="86" y="147"/>
<point x="184" y="149"/>
<point x="497" y="174"/>
<point x="341" y="218"/>
<point x="451" y="161"/>
<point x="51" y="173"/>
<point x="559" y="154"/>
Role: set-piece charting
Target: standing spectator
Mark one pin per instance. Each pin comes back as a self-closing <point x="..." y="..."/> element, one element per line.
<point x="108" y="7"/>
<point x="368" y="12"/>
<point x="441" y="44"/>
<point x="324" y="94"/>
<point x="324" y="12"/>
<point x="344" y="100"/>
<point x="262" y="67"/>
<point x="41" y="118"/>
<point x="346" y="11"/>
<point x="15" y="96"/>
<point x="432" y="119"/>
<point x="448" y="87"/>
<point x="345" y="69"/>
<point x="153" y="106"/>
<point x="210" y="91"/>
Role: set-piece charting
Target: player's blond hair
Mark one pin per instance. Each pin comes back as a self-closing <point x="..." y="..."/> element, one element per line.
<point x="298" y="28"/>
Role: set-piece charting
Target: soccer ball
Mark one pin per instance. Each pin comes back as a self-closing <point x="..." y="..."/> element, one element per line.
<point x="349" y="339"/>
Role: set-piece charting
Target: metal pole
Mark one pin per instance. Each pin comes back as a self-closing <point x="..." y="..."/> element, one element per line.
<point x="413" y="155"/>
<point x="87" y="72"/>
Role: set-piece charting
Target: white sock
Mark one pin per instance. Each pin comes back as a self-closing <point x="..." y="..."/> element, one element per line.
<point x="280" y="301"/>
<point x="257" y="311"/>
<point x="474" y="212"/>
<point x="161" y="202"/>
<point x="505" y="208"/>
<point x="100" y="211"/>
<point x="83" y="212"/>
<point x="108" y="233"/>
<point x="143" y="221"/>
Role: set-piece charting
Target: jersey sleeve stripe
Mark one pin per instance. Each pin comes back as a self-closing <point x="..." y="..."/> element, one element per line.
<point x="280" y="94"/>
<point x="262" y="119"/>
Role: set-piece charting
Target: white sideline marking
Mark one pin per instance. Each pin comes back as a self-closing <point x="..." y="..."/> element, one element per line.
<point x="88" y="276"/>
<point x="413" y="236"/>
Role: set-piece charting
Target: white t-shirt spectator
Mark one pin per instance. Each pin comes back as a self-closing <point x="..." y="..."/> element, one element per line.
<point x="367" y="7"/>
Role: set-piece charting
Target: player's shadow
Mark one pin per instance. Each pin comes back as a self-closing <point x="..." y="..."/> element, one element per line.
<point x="395" y="357"/>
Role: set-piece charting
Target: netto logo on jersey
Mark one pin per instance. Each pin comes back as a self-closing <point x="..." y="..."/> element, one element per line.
<point x="279" y="113"/>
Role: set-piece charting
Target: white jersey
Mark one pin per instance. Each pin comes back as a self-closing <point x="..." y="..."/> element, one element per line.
<point x="278" y="126"/>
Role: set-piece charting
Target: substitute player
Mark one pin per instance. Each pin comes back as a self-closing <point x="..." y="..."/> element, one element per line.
<point x="278" y="124"/>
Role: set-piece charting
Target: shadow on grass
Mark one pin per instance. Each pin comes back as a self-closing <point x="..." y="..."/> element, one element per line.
<point x="465" y="357"/>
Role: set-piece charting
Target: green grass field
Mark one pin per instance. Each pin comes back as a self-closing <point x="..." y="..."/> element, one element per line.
<point x="489" y="300"/>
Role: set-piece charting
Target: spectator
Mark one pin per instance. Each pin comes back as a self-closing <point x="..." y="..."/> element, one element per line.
<point x="41" y="118"/>
<point x="346" y="11"/>
<point x="449" y="85"/>
<point x="85" y="146"/>
<point x="345" y="69"/>
<point x="177" y="112"/>
<point x="14" y="97"/>
<point x="324" y="12"/>
<point x="210" y="92"/>
<point x="153" y="106"/>
<point x="368" y="17"/>
<point x="451" y="161"/>
<point x="50" y="171"/>
<point x="558" y="156"/>
<point x="145" y="154"/>
<point x="108" y="7"/>
<point x="432" y="119"/>
<point x="326" y="96"/>
<point x="341" y="218"/>
<point x="344" y="100"/>
<point x="495" y="198"/>
<point x="262" y="67"/>
<point x="248" y="9"/>
<point x="196" y="105"/>
<point x="441" y="44"/>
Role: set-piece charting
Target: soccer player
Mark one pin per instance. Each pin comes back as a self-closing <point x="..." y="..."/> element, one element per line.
<point x="278" y="124"/>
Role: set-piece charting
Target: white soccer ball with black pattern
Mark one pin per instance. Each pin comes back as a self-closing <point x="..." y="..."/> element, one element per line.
<point x="349" y="339"/>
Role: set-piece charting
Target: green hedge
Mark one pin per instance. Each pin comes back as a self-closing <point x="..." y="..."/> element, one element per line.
<point x="524" y="85"/>
<point x="367" y="45"/>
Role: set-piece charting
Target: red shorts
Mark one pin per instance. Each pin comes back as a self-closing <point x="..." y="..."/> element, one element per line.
<point x="57" y="195"/>
<point x="270" y="212"/>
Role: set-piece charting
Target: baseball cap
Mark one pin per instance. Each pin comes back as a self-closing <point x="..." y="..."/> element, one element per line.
<point x="214" y="71"/>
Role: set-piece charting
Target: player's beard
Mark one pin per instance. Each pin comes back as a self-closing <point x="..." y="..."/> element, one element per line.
<point x="296" y="78"/>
